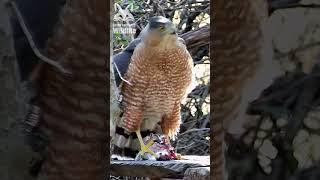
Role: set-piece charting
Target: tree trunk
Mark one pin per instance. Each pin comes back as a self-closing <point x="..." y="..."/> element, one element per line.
<point x="15" y="154"/>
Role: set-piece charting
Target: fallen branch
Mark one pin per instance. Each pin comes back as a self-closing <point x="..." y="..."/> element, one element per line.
<point x="197" y="38"/>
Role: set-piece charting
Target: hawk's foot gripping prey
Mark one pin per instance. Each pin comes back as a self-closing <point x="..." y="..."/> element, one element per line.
<point x="144" y="148"/>
<point x="157" y="148"/>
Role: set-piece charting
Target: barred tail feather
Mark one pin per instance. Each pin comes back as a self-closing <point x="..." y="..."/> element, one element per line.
<point x="127" y="145"/>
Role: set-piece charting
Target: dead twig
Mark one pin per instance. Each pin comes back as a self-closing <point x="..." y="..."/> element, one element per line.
<point x="32" y="44"/>
<point x="115" y="65"/>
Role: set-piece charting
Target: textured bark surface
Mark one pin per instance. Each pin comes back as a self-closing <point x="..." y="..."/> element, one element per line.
<point x="197" y="38"/>
<point x="236" y="54"/>
<point x="15" y="154"/>
<point x="75" y="114"/>
<point x="202" y="173"/>
<point x="194" y="167"/>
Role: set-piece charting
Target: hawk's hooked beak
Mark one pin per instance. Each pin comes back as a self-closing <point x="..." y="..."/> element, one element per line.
<point x="171" y="30"/>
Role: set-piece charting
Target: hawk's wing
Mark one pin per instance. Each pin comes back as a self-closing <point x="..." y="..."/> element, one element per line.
<point x="122" y="60"/>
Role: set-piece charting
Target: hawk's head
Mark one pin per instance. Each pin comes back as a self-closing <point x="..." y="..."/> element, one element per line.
<point x="160" y="31"/>
<point x="161" y="26"/>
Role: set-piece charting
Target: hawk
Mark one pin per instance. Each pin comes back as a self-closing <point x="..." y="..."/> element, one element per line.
<point x="158" y="78"/>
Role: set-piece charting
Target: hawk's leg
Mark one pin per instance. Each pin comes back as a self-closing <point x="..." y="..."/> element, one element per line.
<point x="167" y="139"/>
<point x="145" y="148"/>
<point x="171" y="122"/>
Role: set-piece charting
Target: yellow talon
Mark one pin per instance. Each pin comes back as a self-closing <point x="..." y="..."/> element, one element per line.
<point x="150" y="143"/>
<point x="145" y="148"/>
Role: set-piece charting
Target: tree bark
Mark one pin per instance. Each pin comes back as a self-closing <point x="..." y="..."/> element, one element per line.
<point x="15" y="154"/>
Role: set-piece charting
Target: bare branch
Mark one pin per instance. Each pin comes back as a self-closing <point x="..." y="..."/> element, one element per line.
<point x="297" y="50"/>
<point x="194" y="130"/>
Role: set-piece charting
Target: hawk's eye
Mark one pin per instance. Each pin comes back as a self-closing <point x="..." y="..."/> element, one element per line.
<point x="162" y="28"/>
